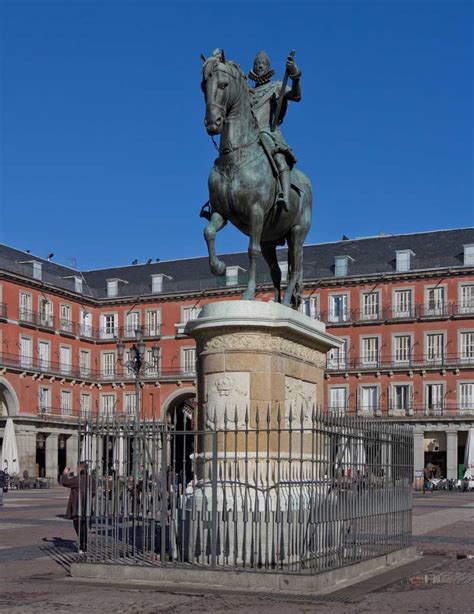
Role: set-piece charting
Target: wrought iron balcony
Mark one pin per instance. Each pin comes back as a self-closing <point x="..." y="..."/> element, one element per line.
<point x="47" y="367"/>
<point x="39" y="320"/>
<point x="416" y="361"/>
<point x="47" y="411"/>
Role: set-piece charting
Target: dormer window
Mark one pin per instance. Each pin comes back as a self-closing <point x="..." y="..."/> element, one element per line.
<point x="232" y="275"/>
<point x="157" y="284"/>
<point x="341" y="265"/>
<point x="37" y="270"/>
<point x="113" y="286"/>
<point x="78" y="284"/>
<point x="469" y="254"/>
<point x="403" y="260"/>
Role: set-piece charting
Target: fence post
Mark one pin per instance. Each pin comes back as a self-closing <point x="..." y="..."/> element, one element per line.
<point x="164" y="492"/>
<point x="214" y="500"/>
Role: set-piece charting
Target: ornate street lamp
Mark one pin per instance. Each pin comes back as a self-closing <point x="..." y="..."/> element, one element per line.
<point x="137" y="364"/>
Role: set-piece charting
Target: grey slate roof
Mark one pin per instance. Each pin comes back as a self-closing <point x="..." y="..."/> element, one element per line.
<point x="372" y="255"/>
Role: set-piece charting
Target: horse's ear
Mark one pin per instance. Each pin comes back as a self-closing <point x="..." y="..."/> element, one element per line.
<point x="223" y="56"/>
<point x="203" y="58"/>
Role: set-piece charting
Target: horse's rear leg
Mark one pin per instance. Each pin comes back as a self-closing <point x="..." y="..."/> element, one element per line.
<point x="216" y="223"/>
<point x="294" y="288"/>
<point x="270" y="255"/>
<point x="256" y="227"/>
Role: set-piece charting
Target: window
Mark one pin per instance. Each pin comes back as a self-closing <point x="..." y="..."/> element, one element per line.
<point x="284" y="271"/>
<point x="370" y="305"/>
<point x="466" y="397"/>
<point x="435" y="302"/>
<point x="44" y="400"/>
<point x="109" y="326"/>
<point x="156" y="284"/>
<point x="26" y="351"/>
<point x="337" y="357"/>
<point x="153" y="323"/>
<point x="467" y="346"/>
<point x="85" y="401"/>
<point x="310" y="306"/>
<point x="129" y="404"/>
<point x="84" y="362"/>
<point x="341" y="266"/>
<point x="153" y="362"/>
<point x="37" y="270"/>
<point x="107" y="405"/>
<point x="403" y="258"/>
<point x="45" y="312"/>
<point x="190" y="313"/>
<point x="338" y="308"/>
<point x="467" y="299"/>
<point x="108" y="364"/>
<point x="402" y="349"/>
<point x="65" y="359"/>
<point x="369" y="399"/>
<point x="65" y="318"/>
<point x="232" y="276"/>
<point x="112" y="287"/>
<point x="434" y="398"/>
<point x="78" y="284"/>
<point x="370" y="350"/>
<point x="132" y="323"/>
<point x="402" y="304"/>
<point x="86" y="323"/>
<point x="66" y="402"/>
<point x="435" y="348"/>
<point x="25" y="306"/>
<point x="43" y="355"/>
<point x="469" y="254"/>
<point x="401" y="398"/>
<point x="338" y="399"/>
<point x="188" y="360"/>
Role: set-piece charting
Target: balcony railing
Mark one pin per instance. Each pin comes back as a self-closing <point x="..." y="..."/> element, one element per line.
<point x="47" y="366"/>
<point x="40" y="320"/>
<point x="68" y="327"/>
<point x="47" y="411"/>
<point x="411" y="411"/>
<point x="393" y="362"/>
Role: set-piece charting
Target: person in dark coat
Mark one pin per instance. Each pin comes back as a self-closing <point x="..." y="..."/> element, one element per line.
<point x="82" y="488"/>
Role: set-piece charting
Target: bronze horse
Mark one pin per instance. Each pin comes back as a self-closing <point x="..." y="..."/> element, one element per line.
<point x="243" y="185"/>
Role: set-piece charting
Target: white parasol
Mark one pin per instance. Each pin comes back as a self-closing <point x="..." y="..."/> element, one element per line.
<point x="469" y="456"/>
<point x="9" y="460"/>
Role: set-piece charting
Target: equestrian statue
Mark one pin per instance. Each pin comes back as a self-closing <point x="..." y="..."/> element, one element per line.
<point x="253" y="183"/>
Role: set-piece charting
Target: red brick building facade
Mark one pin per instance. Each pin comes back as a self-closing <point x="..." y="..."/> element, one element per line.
<point x="404" y="304"/>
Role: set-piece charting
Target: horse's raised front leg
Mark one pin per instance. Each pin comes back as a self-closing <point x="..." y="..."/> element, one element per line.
<point x="256" y="227"/>
<point x="216" y="223"/>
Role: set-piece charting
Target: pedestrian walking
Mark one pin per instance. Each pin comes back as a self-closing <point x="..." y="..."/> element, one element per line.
<point x="79" y="504"/>
<point x="427" y="473"/>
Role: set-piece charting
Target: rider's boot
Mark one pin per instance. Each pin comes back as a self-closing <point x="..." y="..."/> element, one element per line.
<point x="283" y="198"/>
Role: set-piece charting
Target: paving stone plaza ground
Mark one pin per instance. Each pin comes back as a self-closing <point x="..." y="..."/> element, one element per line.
<point x="37" y="547"/>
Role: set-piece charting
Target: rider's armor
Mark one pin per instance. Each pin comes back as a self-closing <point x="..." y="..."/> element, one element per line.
<point x="265" y="96"/>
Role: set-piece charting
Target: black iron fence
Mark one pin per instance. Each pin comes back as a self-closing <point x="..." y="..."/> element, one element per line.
<point x="271" y="492"/>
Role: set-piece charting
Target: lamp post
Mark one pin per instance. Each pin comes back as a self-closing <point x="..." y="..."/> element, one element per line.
<point x="139" y="366"/>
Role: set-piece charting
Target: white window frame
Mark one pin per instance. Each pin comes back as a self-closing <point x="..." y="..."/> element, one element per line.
<point x="364" y="409"/>
<point x="341" y="266"/>
<point x="84" y="365"/>
<point x="78" y="284"/>
<point x="45" y="311"/>
<point x="337" y="357"/>
<point x="154" y="364"/>
<point x="44" y="363"/>
<point x="44" y="399"/>
<point x="466" y="346"/>
<point x="400" y="411"/>
<point x="370" y="305"/>
<point x="370" y="357"/>
<point x="190" y="312"/>
<point x="157" y="283"/>
<point x="65" y="402"/>
<point x="283" y="264"/>
<point x="65" y="317"/>
<point x="310" y="306"/>
<point x="334" y="317"/>
<point x="65" y="366"/>
<point x="403" y="310"/>
<point x="186" y="368"/>
<point x="108" y="361"/>
<point x="86" y="323"/>
<point x="466" y="303"/>
<point x="153" y="329"/>
<point x="132" y="323"/>
<point x="37" y="270"/>
<point x="468" y="254"/>
<point x="109" y="328"/>
<point x="112" y="288"/>
<point x="465" y="397"/>
<point x="437" y="400"/>
<point x="403" y="260"/>
<point x="439" y="358"/>
<point x="85" y="407"/>
<point x="108" y="404"/>
<point x="129" y="404"/>
<point x="25" y="305"/>
<point x="395" y="358"/>
<point x="436" y="306"/>
<point x="338" y="405"/>
<point x="26" y="358"/>
<point x="232" y="276"/>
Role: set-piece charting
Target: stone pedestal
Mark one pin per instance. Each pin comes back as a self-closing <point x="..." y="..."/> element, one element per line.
<point x="260" y="379"/>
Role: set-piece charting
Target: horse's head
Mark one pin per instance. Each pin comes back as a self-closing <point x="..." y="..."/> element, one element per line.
<point x="221" y="83"/>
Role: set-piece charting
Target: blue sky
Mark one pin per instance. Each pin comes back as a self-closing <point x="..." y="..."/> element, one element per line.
<point x="104" y="157"/>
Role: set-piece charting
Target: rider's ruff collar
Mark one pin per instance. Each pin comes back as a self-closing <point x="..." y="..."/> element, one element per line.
<point x="261" y="79"/>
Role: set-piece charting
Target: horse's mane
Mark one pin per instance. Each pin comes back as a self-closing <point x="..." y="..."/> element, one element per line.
<point x="229" y="65"/>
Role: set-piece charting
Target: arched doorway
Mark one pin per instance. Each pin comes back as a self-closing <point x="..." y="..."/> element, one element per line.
<point x="179" y="415"/>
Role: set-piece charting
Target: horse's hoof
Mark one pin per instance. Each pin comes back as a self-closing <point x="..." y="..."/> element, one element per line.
<point x="219" y="268"/>
<point x="248" y="296"/>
